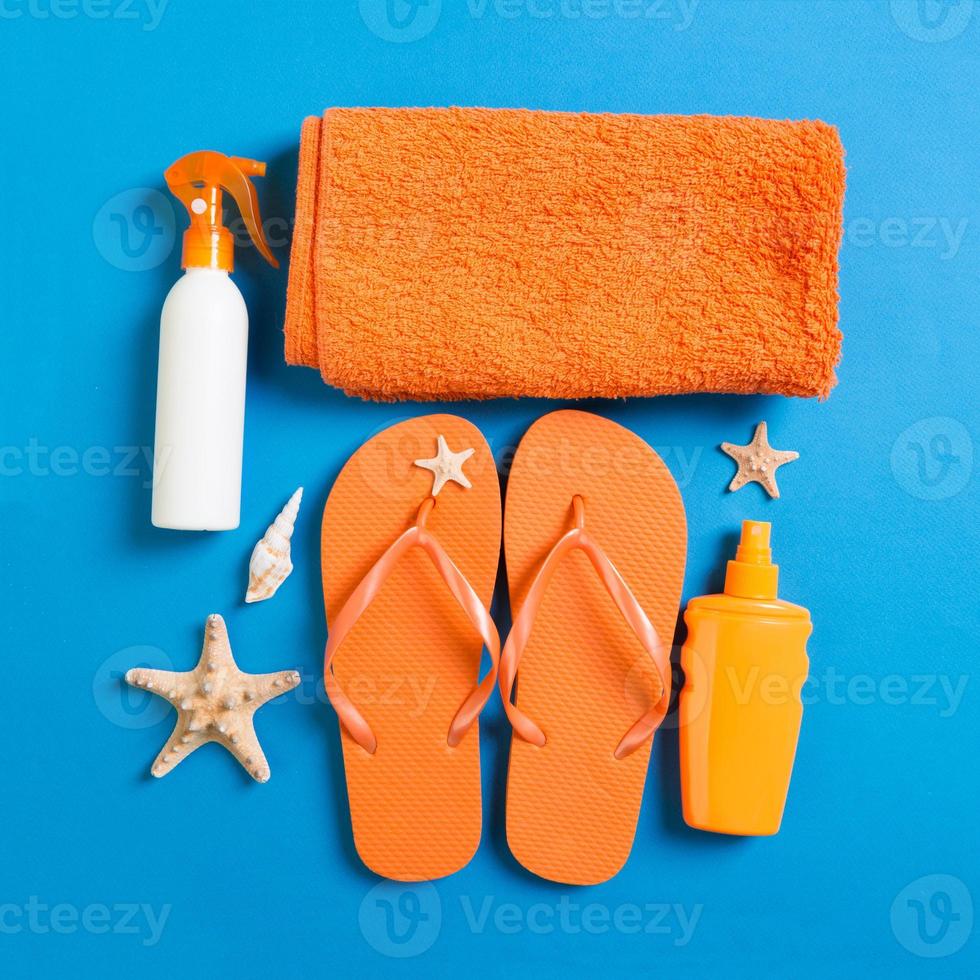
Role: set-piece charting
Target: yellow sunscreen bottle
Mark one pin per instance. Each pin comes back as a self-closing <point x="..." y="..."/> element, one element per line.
<point x="744" y="664"/>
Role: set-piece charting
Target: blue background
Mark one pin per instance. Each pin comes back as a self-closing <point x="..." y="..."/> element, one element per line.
<point x="877" y="531"/>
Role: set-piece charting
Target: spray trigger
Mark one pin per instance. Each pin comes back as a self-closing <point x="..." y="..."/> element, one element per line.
<point x="197" y="180"/>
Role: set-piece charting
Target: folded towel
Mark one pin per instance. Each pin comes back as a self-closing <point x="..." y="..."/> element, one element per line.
<point x="475" y="253"/>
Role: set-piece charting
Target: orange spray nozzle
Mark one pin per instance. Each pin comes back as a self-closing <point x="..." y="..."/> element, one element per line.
<point x="752" y="574"/>
<point x="198" y="181"/>
<point x="754" y="544"/>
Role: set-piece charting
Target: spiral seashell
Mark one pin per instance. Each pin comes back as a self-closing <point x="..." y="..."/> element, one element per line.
<point x="270" y="563"/>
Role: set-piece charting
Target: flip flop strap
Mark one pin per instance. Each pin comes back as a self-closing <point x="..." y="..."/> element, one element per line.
<point x="415" y="537"/>
<point x="580" y="539"/>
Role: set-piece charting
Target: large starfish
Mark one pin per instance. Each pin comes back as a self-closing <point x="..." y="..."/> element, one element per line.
<point x="758" y="461"/>
<point x="215" y="702"/>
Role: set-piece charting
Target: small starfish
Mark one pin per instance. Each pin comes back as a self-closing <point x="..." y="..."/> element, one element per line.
<point x="215" y="702"/>
<point x="446" y="465"/>
<point x="758" y="461"/>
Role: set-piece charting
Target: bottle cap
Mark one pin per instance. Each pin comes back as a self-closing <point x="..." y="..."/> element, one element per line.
<point x="751" y="574"/>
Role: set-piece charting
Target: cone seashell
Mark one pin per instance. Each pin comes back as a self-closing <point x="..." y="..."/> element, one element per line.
<point x="270" y="563"/>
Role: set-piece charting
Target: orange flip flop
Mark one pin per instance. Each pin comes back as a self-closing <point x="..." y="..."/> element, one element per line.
<point x="595" y="539"/>
<point x="410" y="548"/>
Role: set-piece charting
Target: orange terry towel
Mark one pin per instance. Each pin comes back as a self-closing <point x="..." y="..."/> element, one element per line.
<point x="476" y="253"/>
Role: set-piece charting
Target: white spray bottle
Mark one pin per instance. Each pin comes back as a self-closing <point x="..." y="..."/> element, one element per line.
<point x="197" y="467"/>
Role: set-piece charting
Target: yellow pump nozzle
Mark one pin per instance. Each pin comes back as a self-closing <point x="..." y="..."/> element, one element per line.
<point x="197" y="181"/>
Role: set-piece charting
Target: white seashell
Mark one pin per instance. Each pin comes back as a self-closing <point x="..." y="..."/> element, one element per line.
<point x="270" y="564"/>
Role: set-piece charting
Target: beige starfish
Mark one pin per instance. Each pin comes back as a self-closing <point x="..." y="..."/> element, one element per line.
<point x="446" y="465"/>
<point x="215" y="702"/>
<point x="758" y="461"/>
